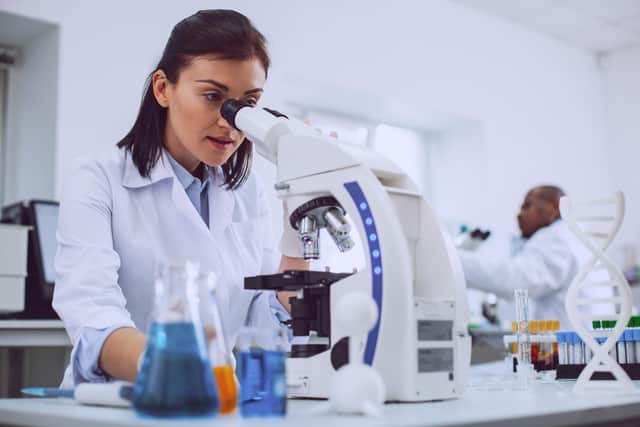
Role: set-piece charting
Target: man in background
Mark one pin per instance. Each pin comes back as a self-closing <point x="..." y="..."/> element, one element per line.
<point x="545" y="264"/>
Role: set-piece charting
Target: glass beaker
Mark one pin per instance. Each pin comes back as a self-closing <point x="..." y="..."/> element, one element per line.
<point x="175" y="377"/>
<point x="219" y="355"/>
<point x="261" y="372"/>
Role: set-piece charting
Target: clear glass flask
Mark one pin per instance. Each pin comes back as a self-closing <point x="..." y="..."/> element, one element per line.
<point x="261" y="372"/>
<point x="222" y="364"/>
<point x="175" y="378"/>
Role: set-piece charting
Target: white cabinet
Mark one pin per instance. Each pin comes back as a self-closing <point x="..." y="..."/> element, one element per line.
<point x="13" y="266"/>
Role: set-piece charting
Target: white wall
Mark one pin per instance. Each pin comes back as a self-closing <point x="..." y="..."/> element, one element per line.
<point x="539" y="101"/>
<point x="32" y="120"/>
<point x="622" y="74"/>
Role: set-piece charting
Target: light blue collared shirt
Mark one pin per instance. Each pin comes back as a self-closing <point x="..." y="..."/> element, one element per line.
<point x="196" y="189"/>
<point x="86" y="355"/>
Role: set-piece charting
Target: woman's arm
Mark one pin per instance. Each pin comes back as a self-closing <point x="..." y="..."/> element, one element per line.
<point x="120" y="353"/>
<point x="290" y="263"/>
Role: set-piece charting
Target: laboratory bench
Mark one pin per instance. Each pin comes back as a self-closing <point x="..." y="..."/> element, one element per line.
<point x="487" y="402"/>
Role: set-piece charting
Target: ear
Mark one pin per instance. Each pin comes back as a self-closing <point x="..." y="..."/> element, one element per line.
<point x="160" y="85"/>
<point x="552" y="211"/>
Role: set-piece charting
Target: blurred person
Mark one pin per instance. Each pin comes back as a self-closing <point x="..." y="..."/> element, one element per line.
<point x="545" y="262"/>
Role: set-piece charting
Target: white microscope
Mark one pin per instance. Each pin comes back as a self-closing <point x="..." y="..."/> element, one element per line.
<point x="420" y="345"/>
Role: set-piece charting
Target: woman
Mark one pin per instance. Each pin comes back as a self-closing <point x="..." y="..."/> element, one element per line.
<point x="178" y="187"/>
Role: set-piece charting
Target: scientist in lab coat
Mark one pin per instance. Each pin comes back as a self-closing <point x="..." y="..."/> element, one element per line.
<point x="177" y="187"/>
<point x="545" y="264"/>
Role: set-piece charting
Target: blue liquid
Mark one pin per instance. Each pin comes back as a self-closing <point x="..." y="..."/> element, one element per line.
<point x="263" y="388"/>
<point x="175" y="378"/>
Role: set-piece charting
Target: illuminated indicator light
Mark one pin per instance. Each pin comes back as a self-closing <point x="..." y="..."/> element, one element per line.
<point x="368" y="221"/>
<point x="377" y="270"/>
<point x="375" y="253"/>
<point x="363" y="206"/>
<point x="373" y="237"/>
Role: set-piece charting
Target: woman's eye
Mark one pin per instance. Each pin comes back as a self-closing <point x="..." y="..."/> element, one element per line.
<point x="251" y="101"/>
<point x="212" y="97"/>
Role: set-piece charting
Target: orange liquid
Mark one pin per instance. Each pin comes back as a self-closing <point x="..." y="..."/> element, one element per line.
<point x="227" y="389"/>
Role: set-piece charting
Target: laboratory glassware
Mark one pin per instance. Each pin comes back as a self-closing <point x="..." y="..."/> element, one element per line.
<point x="175" y="378"/>
<point x="261" y="372"/>
<point x="219" y="355"/>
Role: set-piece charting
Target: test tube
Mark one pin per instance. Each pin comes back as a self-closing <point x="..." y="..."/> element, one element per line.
<point x="636" y="344"/>
<point x="535" y="345"/>
<point x="596" y="324"/>
<point x="621" y="351"/>
<point x="629" y="346"/>
<point x="522" y="316"/>
<point x="562" y="348"/>
<point x="571" y="357"/>
<point x="554" y="346"/>
<point x="578" y="348"/>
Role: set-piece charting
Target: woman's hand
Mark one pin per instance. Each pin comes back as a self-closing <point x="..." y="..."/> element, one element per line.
<point x="290" y="263"/>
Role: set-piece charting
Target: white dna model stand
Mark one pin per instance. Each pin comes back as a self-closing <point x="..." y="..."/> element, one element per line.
<point x="596" y="223"/>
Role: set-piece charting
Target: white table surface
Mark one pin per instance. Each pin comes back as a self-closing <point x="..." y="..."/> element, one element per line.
<point x="545" y="404"/>
<point x="33" y="333"/>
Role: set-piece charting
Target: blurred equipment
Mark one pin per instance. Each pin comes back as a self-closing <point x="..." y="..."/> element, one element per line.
<point x="117" y="393"/>
<point x="490" y="309"/>
<point x="13" y="267"/>
<point x="470" y="240"/>
<point x="524" y="368"/>
<point x="419" y="344"/>
<point x="42" y="218"/>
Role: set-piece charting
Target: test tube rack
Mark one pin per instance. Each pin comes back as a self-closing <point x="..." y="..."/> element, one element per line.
<point x="572" y="372"/>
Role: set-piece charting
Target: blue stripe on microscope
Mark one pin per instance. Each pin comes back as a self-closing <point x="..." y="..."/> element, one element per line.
<point x="373" y="241"/>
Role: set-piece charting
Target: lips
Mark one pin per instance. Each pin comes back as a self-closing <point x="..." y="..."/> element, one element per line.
<point x="220" y="143"/>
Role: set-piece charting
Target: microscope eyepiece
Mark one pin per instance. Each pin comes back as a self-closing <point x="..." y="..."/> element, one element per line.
<point x="230" y="108"/>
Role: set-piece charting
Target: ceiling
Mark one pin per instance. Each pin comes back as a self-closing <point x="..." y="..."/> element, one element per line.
<point x="598" y="25"/>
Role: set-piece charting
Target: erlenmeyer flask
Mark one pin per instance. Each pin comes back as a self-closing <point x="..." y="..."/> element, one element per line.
<point x="175" y="377"/>
<point x="221" y="359"/>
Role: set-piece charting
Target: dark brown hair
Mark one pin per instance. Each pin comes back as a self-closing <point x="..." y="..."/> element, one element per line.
<point x="223" y="34"/>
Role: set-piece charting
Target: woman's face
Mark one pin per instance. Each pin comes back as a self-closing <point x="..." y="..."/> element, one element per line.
<point x="195" y="131"/>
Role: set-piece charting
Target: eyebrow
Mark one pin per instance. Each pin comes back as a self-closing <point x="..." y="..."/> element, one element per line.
<point x="225" y="88"/>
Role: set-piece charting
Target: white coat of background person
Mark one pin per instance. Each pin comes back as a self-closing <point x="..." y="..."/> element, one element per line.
<point x="178" y="187"/>
<point x="545" y="265"/>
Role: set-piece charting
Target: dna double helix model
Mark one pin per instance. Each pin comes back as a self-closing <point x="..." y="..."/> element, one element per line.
<point x="598" y="283"/>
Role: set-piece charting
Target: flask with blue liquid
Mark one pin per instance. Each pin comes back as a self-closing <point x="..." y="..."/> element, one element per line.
<point x="175" y="378"/>
<point x="261" y="372"/>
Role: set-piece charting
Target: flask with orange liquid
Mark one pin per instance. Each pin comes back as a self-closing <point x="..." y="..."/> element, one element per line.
<point x="221" y="359"/>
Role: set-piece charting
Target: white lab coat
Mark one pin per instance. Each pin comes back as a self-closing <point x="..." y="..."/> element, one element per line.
<point x="114" y="225"/>
<point x="545" y="266"/>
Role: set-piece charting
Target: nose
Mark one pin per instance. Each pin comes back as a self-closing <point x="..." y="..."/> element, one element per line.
<point x="223" y="123"/>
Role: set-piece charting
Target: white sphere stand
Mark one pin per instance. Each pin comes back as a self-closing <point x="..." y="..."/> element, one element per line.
<point x="356" y="388"/>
